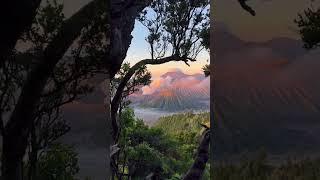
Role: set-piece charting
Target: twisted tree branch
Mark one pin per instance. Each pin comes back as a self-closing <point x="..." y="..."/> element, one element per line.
<point x="117" y="97"/>
<point x="245" y="6"/>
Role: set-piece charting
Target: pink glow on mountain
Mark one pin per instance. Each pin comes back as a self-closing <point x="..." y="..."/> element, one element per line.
<point x="174" y="80"/>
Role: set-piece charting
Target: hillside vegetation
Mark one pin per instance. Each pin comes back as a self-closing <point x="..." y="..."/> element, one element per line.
<point x="183" y="122"/>
<point x="168" y="148"/>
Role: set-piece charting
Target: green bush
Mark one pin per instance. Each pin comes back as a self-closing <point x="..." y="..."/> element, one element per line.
<point x="58" y="162"/>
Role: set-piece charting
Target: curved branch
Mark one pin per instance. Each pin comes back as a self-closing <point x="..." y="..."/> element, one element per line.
<point x="246" y="7"/>
<point x="117" y="97"/>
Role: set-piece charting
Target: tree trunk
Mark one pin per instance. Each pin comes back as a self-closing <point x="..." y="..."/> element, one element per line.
<point x="199" y="165"/>
<point x="11" y="163"/>
<point x="33" y="155"/>
<point x="212" y="97"/>
<point x="32" y="170"/>
<point x="109" y="138"/>
<point x="17" y="128"/>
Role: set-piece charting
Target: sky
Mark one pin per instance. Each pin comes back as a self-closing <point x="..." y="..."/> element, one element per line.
<point x="139" y="50"/>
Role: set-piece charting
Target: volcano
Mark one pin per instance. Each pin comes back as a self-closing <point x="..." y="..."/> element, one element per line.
<point x="175" y="91"/>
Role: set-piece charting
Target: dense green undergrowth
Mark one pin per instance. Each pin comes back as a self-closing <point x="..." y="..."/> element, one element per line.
<point x="167" y="148"/>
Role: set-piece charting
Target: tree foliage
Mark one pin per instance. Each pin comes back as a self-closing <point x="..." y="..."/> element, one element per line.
<point x="58" y="162"/>
<point x="308" y="23"/>
<point x="67" y="81"/>
<point x="158" y="151"/>
<point x="142" y="77"/>
<point x="176" y="27"/>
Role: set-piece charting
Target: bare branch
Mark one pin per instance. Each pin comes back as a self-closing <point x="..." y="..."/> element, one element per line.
<point x="246" y="7"/>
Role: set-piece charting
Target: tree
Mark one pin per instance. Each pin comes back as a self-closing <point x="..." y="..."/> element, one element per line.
<point x="197" y="169"/>
<point x="58" y="162"/>
<point x="123" y="16"/>
<point x="66" y="84"/>
<point x="17" y="128"/>
<point x="206" y="70"/>
<point x="143" y="150"/>
<point x="119" y="17"/>
<point x="176" y="27"/>
<point x="142" y="77"/>
<point x="159" y="151"/>
<point x="308" y="23"/>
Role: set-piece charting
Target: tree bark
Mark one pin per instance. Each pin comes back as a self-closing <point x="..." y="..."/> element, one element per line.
<point x="33" y="155"/>
<point x="109" y="139"/>
<point x="33" y="160"/>
<point x="123" y="16"/>
<point x="18" y="127"/>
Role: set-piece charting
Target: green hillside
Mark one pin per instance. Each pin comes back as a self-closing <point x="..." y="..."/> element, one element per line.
<point x="184" y="122"/>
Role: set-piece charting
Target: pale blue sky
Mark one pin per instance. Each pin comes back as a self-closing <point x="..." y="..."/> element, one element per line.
<point x="139" y="49"/>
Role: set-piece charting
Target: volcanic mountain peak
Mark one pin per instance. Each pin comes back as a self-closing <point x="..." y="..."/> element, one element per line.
<point x="175" y="74"/>
<point x="174" y="91"/>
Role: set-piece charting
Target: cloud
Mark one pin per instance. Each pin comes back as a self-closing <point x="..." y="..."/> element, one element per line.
<point x="156" y="84"/>
<point x="186" y="82"/>
<point x="169" y="83"/>
<point x="204" y="83"/>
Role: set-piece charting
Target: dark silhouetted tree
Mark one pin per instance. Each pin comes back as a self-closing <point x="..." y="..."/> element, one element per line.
<point x="17" y="128"/>
<point x="175" y="30"/>
<point x="308" y="23"/>
<point x="174" y="35"/>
